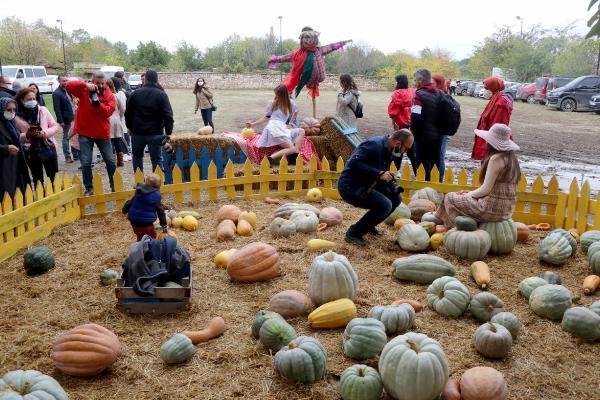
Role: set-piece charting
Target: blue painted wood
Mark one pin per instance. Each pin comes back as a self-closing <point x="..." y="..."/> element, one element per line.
<point x="166" y="168"/>
<point x="230" y="154"/>
<point x="180" y="161"/>
<point x="219" y="161"/>
<point x="192" y="158"/>
<point x="351" y="134"/>
<point x="204" y="163"/>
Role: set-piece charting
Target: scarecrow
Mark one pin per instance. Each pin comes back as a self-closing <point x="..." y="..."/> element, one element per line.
<point x="308" y="67"/>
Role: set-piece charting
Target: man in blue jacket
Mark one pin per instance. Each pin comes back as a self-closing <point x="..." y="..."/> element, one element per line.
<point x="367" y="183"/>
<point x="63" y="108"/>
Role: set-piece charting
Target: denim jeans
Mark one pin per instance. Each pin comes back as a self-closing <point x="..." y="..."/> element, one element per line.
<point x="86" y="152"/>
<point x="380" y="204"/>
<point x="138" y="145"/>
<point x="66" y="147"/>
<point x="127" y="138"/>
<point x="445" y="141"/>
<point x="207" y="117"/>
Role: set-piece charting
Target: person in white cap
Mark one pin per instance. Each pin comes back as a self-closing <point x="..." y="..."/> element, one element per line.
<point x="495" y="199"/>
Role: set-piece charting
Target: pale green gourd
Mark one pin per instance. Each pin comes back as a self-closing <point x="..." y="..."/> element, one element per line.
<point x="587" y="238"/>
<point x="396" y="319"/>
<point x="550" y="301"/>
<point x="30" y="385"/>
<point x="305" y="221"/>
<point x="402" y="211"/>
<point x="177" y="349"/>
<point x="448" y="296"/>
<point x="261" y="317"/>
<point x="527" y="285"/>
<point x="364" y="338"/>
<point x="422" y="268"/>
<point x="485" y="305"/>
<point x="427" y="193"/>
<point x="555" y="249"/>
<point x="275" y="333"/>
<point x="473" y="245"/>
<point x="331" y="277"/>
<point x="503" y="235"/>
<point x="594" y="257"/>
<point x="412" y="237"/>
<point x="582" y="323"/>
<point x="360" y="382"/>
<point x="509" y="321"/>
<point x="492" y="340"/>
<point x="303" y="360"/>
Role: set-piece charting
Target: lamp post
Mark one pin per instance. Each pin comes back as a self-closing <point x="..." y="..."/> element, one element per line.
<point x="280" y="48"/>
<point x="62" y="34"/>
<point x="521" y="19"/>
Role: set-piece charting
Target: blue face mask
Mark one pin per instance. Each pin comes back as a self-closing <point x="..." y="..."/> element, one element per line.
<point x="31" y="104"/>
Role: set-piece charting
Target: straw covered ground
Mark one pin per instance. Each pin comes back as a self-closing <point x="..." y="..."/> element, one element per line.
<point x="545" y="362"/>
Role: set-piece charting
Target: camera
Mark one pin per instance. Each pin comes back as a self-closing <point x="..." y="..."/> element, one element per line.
<point x="395" y="188"/>
<point x="94" y="98"/>
<point x="166" y="145"/>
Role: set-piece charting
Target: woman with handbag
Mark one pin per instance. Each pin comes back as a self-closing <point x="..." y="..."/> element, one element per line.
<point x="13" y="167"/>
<point x="347" y="101"/>
<point x="37" y="129"/>
<point x="204" y="102"/>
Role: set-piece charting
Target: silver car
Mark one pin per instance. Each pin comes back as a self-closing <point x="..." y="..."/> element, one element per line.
<point x="135" y="81"/>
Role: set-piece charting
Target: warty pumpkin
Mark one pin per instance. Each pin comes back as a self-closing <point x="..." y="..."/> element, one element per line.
<point x="85" y="350"/>
<point x="483" y="383"/>
<point x="253" y="263"/>
<point x="364" y="338"/>
<point x="335" y="314"/>
<point x="492" y="340"/>
<point x="331" y="277"/>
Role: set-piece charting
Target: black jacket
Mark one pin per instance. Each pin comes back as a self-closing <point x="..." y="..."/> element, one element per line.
<point x="13" y="168"/>
<point x="424" y="113"/>
<point x="149" y="112"/>
<point x="63" y="108"/>
<point x="370" y="159"/>
<point x="7" y="93"/>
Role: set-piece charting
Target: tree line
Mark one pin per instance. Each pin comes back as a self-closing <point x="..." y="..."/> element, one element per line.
<point x="536" y="52"/>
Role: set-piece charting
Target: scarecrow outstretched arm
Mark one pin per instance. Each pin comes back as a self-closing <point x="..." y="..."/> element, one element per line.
<point x="328" y="48"/>
<point x="279" y="59"/>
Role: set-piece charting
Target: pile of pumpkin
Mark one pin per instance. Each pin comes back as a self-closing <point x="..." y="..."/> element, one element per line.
<point x="187" y="220"/>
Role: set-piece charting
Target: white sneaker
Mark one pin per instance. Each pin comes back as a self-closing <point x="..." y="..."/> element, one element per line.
<point x="126" y="157"/>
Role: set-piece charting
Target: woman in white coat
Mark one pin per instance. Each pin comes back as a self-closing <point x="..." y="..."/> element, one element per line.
<point x="117" y="120"/>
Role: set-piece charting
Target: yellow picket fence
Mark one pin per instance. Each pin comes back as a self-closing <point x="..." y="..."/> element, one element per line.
<point x="24" y="220"/>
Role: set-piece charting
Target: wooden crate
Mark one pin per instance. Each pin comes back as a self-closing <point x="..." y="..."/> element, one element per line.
<point x="165" y="300"/>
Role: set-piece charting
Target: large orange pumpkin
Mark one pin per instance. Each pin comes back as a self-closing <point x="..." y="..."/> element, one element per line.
<point x="253" y="263"/>
<point x="86" y="350"/>
<point x="228" y="211"/>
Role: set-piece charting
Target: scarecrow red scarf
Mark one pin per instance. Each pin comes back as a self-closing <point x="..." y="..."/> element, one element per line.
<point x="302" y="69"/>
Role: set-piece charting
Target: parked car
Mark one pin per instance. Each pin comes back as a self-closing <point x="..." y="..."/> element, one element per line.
<point x="471" y="87"/>
<point x="595" y="103"/>
<point x="478" y="90"/>
<point x="135" y="81"/>
<point x="511" y="89"/>
<point x="110" y="70"/>
<point x="557" y="82"/>
<point x="540" y="89"/>
<point x="526" y="93"/>
<point x="545" y="84"/>
<point x="575" y="95"/>
<point x="26" y="74"/>
<point x="461" y="88"/>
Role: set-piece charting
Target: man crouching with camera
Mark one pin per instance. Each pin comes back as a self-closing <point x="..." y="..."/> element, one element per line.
<point x="367" y="183"/>
<point x="92" y="124"/>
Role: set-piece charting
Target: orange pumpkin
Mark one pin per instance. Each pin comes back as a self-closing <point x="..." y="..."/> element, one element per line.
<point x="228" y="211"/>
<point x="163" y="235"/>
<point x="522" y="232"/>
<point x="253" y="263"/>
<point x="86" y="350"/>
<point x="543" y="226"/>
<point x="441" y="229"/>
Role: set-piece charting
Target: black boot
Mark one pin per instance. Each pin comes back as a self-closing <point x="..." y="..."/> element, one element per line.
<point x="353" y="238"/>
<point x="374" y="231"/>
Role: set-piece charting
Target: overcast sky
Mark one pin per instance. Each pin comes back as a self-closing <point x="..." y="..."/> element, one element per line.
<point x="393" y="25"/>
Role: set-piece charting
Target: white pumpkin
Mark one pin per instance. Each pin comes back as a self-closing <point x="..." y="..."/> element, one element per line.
<point x="30" y="385"/>
<point x="305" y="221"/>
<point x="331" y="278"/>
<point x="412" y="237"/>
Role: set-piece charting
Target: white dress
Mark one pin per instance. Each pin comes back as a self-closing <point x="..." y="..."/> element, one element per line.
<point x="277" y="132"/>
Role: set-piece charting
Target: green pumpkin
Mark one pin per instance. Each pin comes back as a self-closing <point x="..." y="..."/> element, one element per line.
<point x="303" y="360"/>
<point x="360" y="382"/>
<point x="503" y="235"/>
<point x="276" y="333"/>
<point x="550" y="301"/>
<point x="413" y="367"/>
<point x="572" y="241"/>
<point x="464" y="223"/>
<point x="364" y="338"/>
<point x="527" y="285"/>
<point x="402" y="211"/>
<point x="595" y="307"/>
<point x="412" y="237"/>
<point x="38" y="260"/>
<point x="396" y="319"/>
<point x="109" y="276"/>
<point x="594" y="257"/>
<point x="259" y="320"/>
<point x="587" y="238"/>
<point x="430" y="217"/>
<point x="427" y="193"/>
<point x="550" y="277"/>
<point x="422" y="268"/>
<point x="448" y="296"/>
<point x="470" y="245"/>
<point x="485" y="305"/>
<point x="177" y="349"/>
<point x="555" y="249"/>
<point x="492" y="340"/>
<point x="30" y="385"/>
<point x="509" y="321"/>
<point x="331" y="277"/>
<point x="582" y="323"/>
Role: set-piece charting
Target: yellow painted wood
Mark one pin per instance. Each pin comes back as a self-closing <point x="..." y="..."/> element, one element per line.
<point x="39" y="195"/>
<point x="462" y="178"/>
<point x="265" y="170"/>
<point x="561" y="210"/>
<point x="298" y="170"/>
<point x="229" y="174"/>
<point x="77" y="183"/>
<point x="177" y="178"/>
<point x="521" y="187"/>
<point x="339" y="164"/>
<point x="327" y="183"/>
<point x="420" y="173"/>
<point x="449" y="176"/>
<point x="158" y="171"/>
<point x="29" y="224"/>
<point x="195" y="177"/>
<point x="583" y="207"/>
<point x="475" y="178"/>
<point x="138" y="176"/>
<point x="57" y="184"/>
<point x="552" y="190"/>
<point x="8" y="229"/>
<point x="393" y="169"/>
<point x="18" y="199"/>
<point x="283" y="170"/>
<point x="247" y="174"/>
<point x="572" y="205"/>
<point x="537" y="187"/>
<point x="596" y="216"/>
<point x="119" y="187"/>
<point x="48" y="192"/>
<point x="312" y="167"/>
<point x="212" y="176"/>
<point x="98" y="191"/>
<point x="405" y="174"/>
<point x="435" y="174"/>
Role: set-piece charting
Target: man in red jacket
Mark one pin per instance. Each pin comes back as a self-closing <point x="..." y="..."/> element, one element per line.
<point x="96" y="105"/>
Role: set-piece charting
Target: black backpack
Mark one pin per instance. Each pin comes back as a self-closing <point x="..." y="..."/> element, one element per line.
<point x="448" y="119"/>
<point x="358" y="111"/>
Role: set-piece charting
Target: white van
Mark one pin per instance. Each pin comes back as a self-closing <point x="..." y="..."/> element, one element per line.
<point x="26" y="74"/>
<point x="110" y="70"/>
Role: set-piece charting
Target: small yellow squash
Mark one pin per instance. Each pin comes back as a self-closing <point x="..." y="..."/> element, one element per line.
<point x="319" y="244"/>
<point x="481" y="274"/>
<point x="222" y="258"/>
<point x="591" y="284"/>
<point x="335" y="314"/>
<point x="244" y="228"/>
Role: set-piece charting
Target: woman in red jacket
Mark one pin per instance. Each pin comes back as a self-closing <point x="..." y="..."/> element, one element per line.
<point x="399" y="112"/>
<point x="497" y="111"/>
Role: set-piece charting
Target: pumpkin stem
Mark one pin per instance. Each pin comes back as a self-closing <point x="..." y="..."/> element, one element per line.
<point x="291" y="346"/>
<point x="493" y="328"/>
<point x="441" y="294"/>
<point x="329" y="256"/>
<point x="414" y="346"/>
<point x="361" y="372"/>
<point x="25" y="389"/>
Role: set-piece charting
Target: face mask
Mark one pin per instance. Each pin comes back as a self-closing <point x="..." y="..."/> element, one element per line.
<point x="200" y="83"/>
<point x="30" y="104"/>
<point x="396" y="152"/>
<point x="9" y="115"/>
<point x="487" y="94"/>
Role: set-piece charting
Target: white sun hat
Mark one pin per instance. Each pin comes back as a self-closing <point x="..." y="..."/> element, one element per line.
<point x="498" y="137"/>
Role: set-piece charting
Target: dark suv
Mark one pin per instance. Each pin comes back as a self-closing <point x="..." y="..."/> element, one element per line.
<point x="575" y="95"/>
<point x="595" y="103"/>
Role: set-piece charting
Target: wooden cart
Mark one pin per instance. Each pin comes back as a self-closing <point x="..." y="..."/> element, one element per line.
<point x="166" y="300"/>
